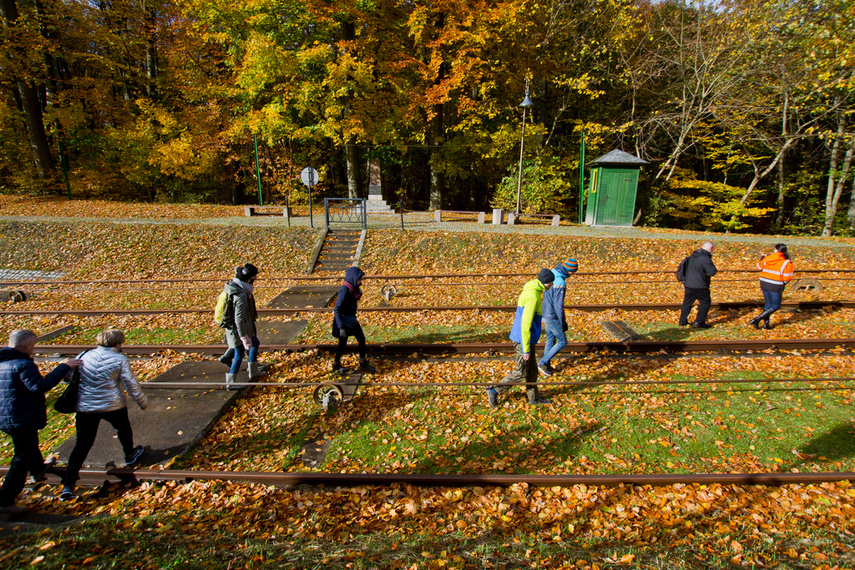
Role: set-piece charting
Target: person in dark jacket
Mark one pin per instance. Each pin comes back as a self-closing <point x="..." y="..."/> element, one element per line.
<point x="241" y="334"/>
<point x="699" y="269"/>
<point x="22" y="412"/>
<point x="345" y="323"/>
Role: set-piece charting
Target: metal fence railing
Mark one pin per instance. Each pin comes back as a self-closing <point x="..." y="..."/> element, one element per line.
<point x="345" y="211"/>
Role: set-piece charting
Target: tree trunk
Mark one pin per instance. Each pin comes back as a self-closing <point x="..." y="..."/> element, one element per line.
<point x="352" y="160"/>
<point x="850" y="215"/>
<point x="30" y="105"/>
<point x="437" y="180"/>
<point x="830" y="202"/>
<point x="779" y="202"/>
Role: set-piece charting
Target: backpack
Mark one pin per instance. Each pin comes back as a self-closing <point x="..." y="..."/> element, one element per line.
<point x="680" y="274"/>
<point x="224" y="310"/>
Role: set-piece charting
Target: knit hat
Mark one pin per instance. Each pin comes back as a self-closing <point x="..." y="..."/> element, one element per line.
<point x="246" y="272"/>
<point x="571" y="265"/>
<point x="546" y="276"/>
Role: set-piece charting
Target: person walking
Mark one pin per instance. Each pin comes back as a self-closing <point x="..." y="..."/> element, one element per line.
<point x="105" y="371"/>
<point x="554" y="319"/>
<point x="241" y="334"/>
<point x="525" y="332"/>
<point x="22" y="412"/>
<point x="699" y="269"/>
<point x="776" y="270"/>
<point x="345" y="323"/>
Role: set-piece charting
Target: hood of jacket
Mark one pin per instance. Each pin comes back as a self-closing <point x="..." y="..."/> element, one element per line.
<point x="352" y="275"/>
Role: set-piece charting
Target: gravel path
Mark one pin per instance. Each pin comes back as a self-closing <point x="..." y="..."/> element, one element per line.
<point x="423" y="221"/>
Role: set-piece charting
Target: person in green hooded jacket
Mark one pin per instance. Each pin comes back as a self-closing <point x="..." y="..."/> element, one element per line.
<point x="525" y="332"/>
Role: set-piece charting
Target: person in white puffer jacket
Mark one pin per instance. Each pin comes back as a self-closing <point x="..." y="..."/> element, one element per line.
<point x="104" y="371"/>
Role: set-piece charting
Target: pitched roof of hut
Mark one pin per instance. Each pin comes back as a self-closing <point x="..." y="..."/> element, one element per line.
<point x="619" y="157"/>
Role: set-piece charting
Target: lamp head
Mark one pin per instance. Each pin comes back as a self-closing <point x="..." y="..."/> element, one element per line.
<point x="527" y="101"/>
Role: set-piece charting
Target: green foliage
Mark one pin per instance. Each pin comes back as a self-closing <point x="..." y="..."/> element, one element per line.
<point x="711" y="205"/>
<point x="546" y="185"/>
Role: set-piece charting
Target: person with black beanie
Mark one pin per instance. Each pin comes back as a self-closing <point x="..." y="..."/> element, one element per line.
<point x="525" y="332"/>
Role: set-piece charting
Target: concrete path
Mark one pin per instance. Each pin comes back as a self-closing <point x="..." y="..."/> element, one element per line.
<point x="179" y="417"/>
<point x="424" y="221"/>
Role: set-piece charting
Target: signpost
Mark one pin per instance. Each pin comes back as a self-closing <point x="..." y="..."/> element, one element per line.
<point x="309" y="176"/>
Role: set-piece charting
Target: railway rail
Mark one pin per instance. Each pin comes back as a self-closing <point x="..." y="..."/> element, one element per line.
<point x="722" y="306"/>
<point x="631" y="346"/>
<point x="377" y="277"/>
<point x="93" y="477"/>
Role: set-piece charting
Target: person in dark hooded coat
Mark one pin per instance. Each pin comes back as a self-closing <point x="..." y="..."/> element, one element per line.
<point x="345" y="323"/>
<point x="22" y="412"/>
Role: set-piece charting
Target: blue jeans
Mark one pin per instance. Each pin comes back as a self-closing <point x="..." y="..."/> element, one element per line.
<point x="555" y="340"/>
<point x="772" y="300"/>
<point x="239" y="350"/>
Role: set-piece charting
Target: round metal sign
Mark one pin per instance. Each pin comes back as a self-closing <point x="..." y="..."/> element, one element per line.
<point x="309" y="176"/>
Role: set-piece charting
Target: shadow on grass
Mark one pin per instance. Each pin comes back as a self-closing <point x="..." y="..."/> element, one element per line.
<point x="837" y="443"/>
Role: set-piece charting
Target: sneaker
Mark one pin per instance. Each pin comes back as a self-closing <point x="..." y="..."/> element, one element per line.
<point x="67" y="494"/>
<point x="13" y="509"/>
<point x="701" y="326"/>
<point x="343" y="370"/>
<point x="540" y="401"/>
<point x="134" y="456"/>
<point x="492" y="397"/>
<point x="366" y="367"/>
<point x="544" y="369"/>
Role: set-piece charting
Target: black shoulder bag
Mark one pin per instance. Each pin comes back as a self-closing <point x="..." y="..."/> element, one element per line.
<point x="67" y="401"/>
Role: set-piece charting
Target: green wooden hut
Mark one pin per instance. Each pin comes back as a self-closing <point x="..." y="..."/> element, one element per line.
<point x="611" y="196"/>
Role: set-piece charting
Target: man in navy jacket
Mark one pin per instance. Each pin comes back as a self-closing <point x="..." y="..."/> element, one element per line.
<point x="699" y="269"/>
<point x="22" y="412"/>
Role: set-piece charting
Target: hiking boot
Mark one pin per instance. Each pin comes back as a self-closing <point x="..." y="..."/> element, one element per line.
<point x="227" y="357"/>
<point x="67" y="494"/>
<point x="366" y="367"/>
<point x="492" y="397"/>
<point x="255" y="371"/>
<point x="544" y="369"/>
<point x="540" y="401"/>
<point x="134" y="457"/>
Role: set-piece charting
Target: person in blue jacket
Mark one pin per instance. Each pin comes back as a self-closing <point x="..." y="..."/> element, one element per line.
<point x="22" y="412"/>
<point x="554" y="320"/>
<point x="344" y="319"/>
<point x="525" y="332"/>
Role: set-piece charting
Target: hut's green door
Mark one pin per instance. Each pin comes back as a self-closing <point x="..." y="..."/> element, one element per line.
<point x="616" y="204"/>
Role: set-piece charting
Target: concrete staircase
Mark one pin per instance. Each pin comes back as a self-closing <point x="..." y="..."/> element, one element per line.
<point x="336" y="251"/>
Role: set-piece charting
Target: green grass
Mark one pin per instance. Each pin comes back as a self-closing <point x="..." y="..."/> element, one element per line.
<point x="195" y="540"/>
<point x="713" y="429"/>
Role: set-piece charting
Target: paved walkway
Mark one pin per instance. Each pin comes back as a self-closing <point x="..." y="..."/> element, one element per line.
<point x="423" y="221"/>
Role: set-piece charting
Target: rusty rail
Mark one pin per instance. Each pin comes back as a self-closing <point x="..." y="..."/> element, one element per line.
<point x="285" y="479"/>
<point x="637" y="346"/>
<point x="723" y="306"/>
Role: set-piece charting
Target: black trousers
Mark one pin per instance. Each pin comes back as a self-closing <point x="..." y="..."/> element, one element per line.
<point x="87" y="428"/>
<point x="342" y="342"/>
<point x="702" y="296"/>
<point x="27" y="458"/>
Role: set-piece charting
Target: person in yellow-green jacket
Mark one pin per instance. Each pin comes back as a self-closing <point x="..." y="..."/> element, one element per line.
<point x="525" y="332"/>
